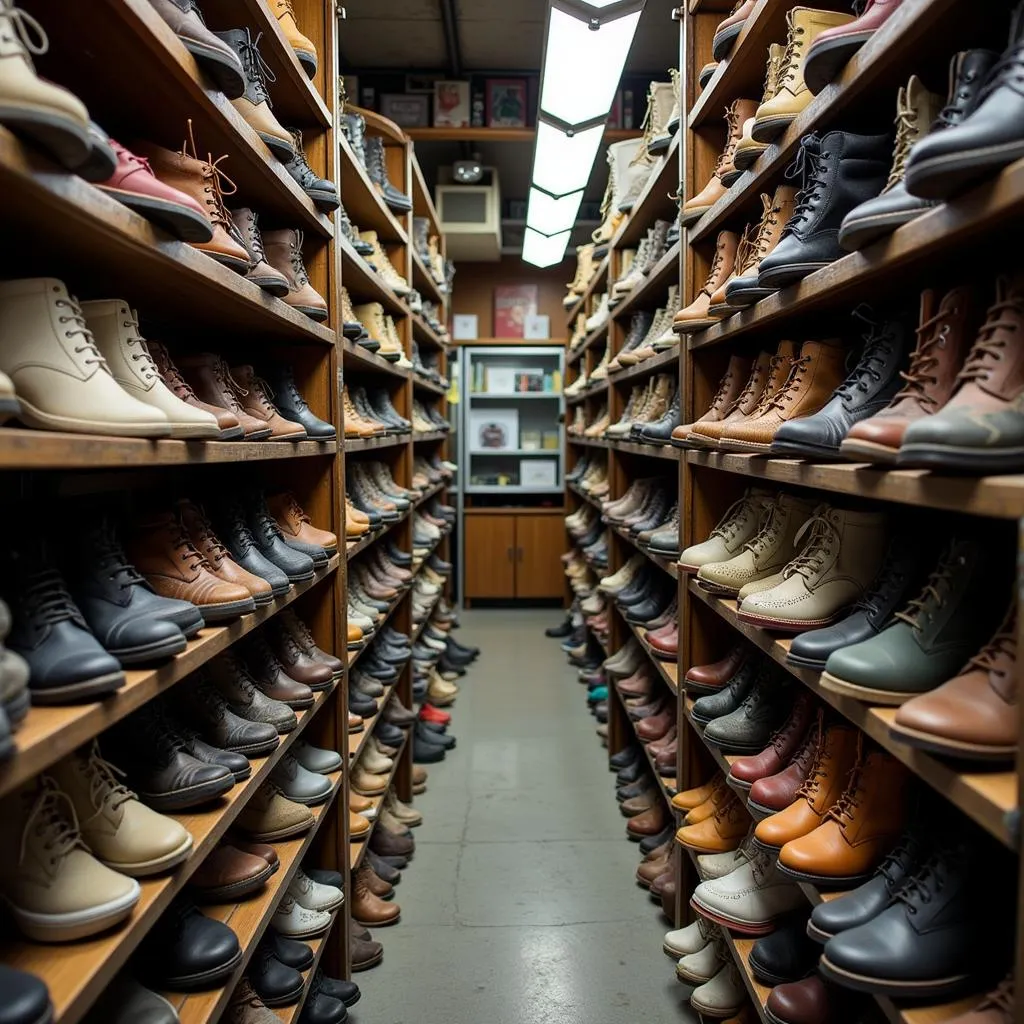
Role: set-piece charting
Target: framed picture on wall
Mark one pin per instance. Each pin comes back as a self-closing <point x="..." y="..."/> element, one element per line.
<point x="406" y="111"/>
<point x="506" y="102"/>
<point x="451" y="104"/>
<point x="513" y="303"/>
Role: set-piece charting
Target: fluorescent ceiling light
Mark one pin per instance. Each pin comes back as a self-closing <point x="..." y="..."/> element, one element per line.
<point x="542" y="251"/>
<point x="550" y="216"/>
<point x="562" y="163"/>
<point x="583" y="66"/>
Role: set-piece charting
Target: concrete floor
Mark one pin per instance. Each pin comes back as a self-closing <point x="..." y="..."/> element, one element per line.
<point x="521" y="906"/>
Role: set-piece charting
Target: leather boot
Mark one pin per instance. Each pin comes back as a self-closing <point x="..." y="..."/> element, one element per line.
<point x="210" y="378"/>
<point x="730" y="388"/>
<point x="253" y="395"/>
<point x="843" y="851"/>
<point x="260" y="273"/>
<point x="740" y="524"/>
<point x="792" y="95"/>
<point x="254" y="103"/>
<point x="813" y="377"/>
<point x="701" y="680"/>
<point x="783" y="746"/>
<point x="284" y="254"/>
<point x="775" y="793"/>
<point x="295" y="524"/>
<point x="722" y="832"/>
<point x="943" y="341"/>
<point x="729" y="28"/>
<point x="116" y="330"/>
<point x="214" y="56"/>
<point x="832" y="49"/>
<point x="366" y="907"/>
<point x="320" y="190"/>
<point x="649" y="822"/>
<point x="381" y="262"/>
<point x="227" y="422"/>
<point x="305" y="49"/>
<point x="696" y="316"/>
<point x="376" y="169"/>
<point x="743" y="290"/>
<point x="695" y="208"/>
<point x="747" y="149"/>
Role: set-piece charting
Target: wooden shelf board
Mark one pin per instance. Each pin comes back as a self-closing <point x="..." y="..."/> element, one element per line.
<point x="50" y="733"/>
<point x="365" y="285"/>
<point x="651" y="451"/>
<point x="654" y="202"/>
<point x="590" y="391"/>
<point x="423" y="281"/>
<point x="362" y="359"/>
<point x="740" y="949"/>
<point x="422" y="200"/>
<point x="588" y="442"/>
<point x="997" y="496"/>
<point x="986" y="797"/>
<point x="666" y="362"/>
<point x="897" y="39"/>
<point x="367" y="444"/>
<point x="358" y="847"/>
<point x="423" y="384"/>
<point x="583" y="494"/>
<point x="423" y="332"/>
<point x="599" y="275"/>
<point x="433" y="435"/>
<point x="76" y="973"/>
<point x="249" y="919"/>
<point x="99" y="240"/>
<point x="654" y="288"/>
<point x="666" y="565"/>
<point x="363" y="203"/>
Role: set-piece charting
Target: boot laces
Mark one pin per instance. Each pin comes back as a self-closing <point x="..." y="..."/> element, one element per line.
<point x="112" y="555"/>
<point x="927" y="881"/>
<point x="52" y="818"/>
<point x="848" y="802"/>
<point x="299" y="159"/>
<point x="255" y="239"/>
<point x="211" y="699"/>
<point x="244" y="539"/>
<point x="716" y="267"/>
<point x="257" y="70"/>
<point x="1000" y="998"/>
<point x="1002" y="318"/>
<point x="1004" y="643"/>
<point x="48" y="601"/>
<point x="793" y="381"/>
<point x="771" y="78"/>
<point x="891" y="578"/>
<point x="157" y="735"/>
<point x="790" y="62"/>
<point x="877" y="346"/>
<point x="214" y="181"/>
<point x="923" y="363"/>
<point x="817" y="770"/>
<point x="811" y="168"/>
<point x="934" y="593"/>
<point x="207" y="537"/>
<point x="30" y="33"/>
<point x="129" y="157"/>
<point x="893" y="860"/>
<point x="734" y="518"/>
<point x="906" y="135"/>
<point x="295" y="257"/>
<point x="193" y="559"/>
<point x="104" y="784"/>
<point x="174" y="380"/>
<point x="147" y="368"/>
<point x="229" y="387"/>
<point x="822" y="542"/>
<point x="782" y="735"/>
<point x="93" y="356"/>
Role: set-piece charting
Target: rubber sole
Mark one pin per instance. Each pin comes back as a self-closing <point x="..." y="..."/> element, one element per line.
<point x="226" y="610"/>
<point x="189" y="796"/>
<point x="366" y="965"/>
<point x="166" y="648"/>
<point x="734" y="925"/>
<point x="930" y="989"/>
<point x="769" y="129"/>
<point x="721" y="44"/>
<point x="63" y="138"/>
<point x="960" y="458"/>
<point x="795" y="450"/>
<point x="289" y="998"/>
<point x="785" y="626"/>
<point x="177" y="220"/>
<point x="860" y="233"/>
<point x="223" y="893"/>
<point x="947" y="747"/>
<point x="313" y="312"/>
<point x="88" y="689"/>
<point x="9" y="407"/>
<point x="312" y="801"/>
<point x="829" y="884"/>
<point x="33" y="416"/>
<point x="275" y="286"/>
<point x="283" y="150"/>
<point x="759" y="812"/>
<point x="944" y="176"/>
<point x="255" y="749"/>
<point x="142" y="869"/>
<point x="865" y="693"/>
<point x="17" y="707"/>
<point x="744" y="159"/>
<point x="76" y="925"/>
<point x="202" y="979"/>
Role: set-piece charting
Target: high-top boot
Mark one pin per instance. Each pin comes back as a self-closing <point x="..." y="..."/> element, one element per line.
<point x="718" y="304"/>
<point x="747" y="149"/>
<point x="661" y="323"/>
<point x="841" y="554"/>
<point x="320" y="190"/>
<point x="743" y="290"/>
<point x="352" y="328"/>
<point x="730" y="27"/>
<point x="916" y="110"/>
<point x="207" y="184"/>
<point x="210" y="379"/>
<point x="620" y="156"/>
<point x="896" y="206"/>
<point x="305" y="49"/>
<point x="254" y="398"/>
<point x="254" y="103"/>
<point x="838" y="171"/>
<point x="871" y="384"/>
<point x="665" y="130"/>
<point x="356" y="425"/>
<point x="292" y="404"/>
<point x="813" y="377"/>
<point x="61" y="378"/>
<point x="736" y="114"/>
<point x="704" y="433"/>
<point x="661" y="394"/>
<point x="354" y="127"/>
<point x="659" y="107"/>
<point x="792" y="95"/>
<point x="765" y="554"/>
<point x="659" y="431"/>
<point x="421" y="241"/>
<point x="261" y="273"/>
<point x="729" y="390"/>
<point x="740" y="524"/>
<point x="116" y="329"/>
<point x="227" y="423"/>
<point x="376" y="167"/>
<point x="284" y="254"/>
<point x="383" y="265"/>
<point x="696" y="316"/>
<point x="48" y="114"/>
<point x="215" y="57"/>
<point x="943" y="340"/>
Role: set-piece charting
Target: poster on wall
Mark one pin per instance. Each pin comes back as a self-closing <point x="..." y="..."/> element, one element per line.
<point x="451" y="104"/>
<point x="513" y="303"/>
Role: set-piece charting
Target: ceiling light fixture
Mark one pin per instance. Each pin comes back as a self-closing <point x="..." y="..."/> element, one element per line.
<point x="544" y="250"/>
<point x="585" y="49"/>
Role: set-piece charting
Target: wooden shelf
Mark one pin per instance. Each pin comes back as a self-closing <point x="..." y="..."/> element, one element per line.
<point x="423" y="281"/>
<point x="76" y="973"/>
<point x="996" y="496"/>
<point x="363" y="203"/>
<point x="666" y="565"/>
<point x="296" y="101"/>
<point x="363" y="360"/>
<point x="599" y="275"/>
<point x="358" y="847"/>
<point x="500" y="134"/>
<point x="899" y="39"/>
<point x="368" y="444"/>
<point x="601" y="387"/>
<point x="423" y="384"/>
<point x="654" y="202"/>
<point x="989" y="798"/>
<point x="422" y="200"/>
<point x="249" y="920"/>
<point x="428" y="438"/>
<point x="654" y="287"/>
<point x="96" y="240"/>
<point x="365" y="285"/>
<point x="583" y="494"/>
<point x="290" y="1014"/>
<point x="740" y="949"/>
<point x="363" y="737"/>
<point x="588" y="442"/>
<point x="423" y="332"/>
<point x="40" y="449"/>
<point x="50" y="733"/>
<point x="651" y="451"/>
<point x="667" y="361"/>
<point x="589" y="342"/>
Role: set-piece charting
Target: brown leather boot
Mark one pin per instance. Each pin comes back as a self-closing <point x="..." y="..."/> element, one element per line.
<point x="210" y="378"/>
<point x="776" y="792"/>
<point x="261" y="273"/>
<point x="943" y="341"/>
<point x="284" y="253"/>
<point x="375" y="883"/>
<point x="696" y="316"/>
<point x="720" y="833"/>
<point x="707" y="433"/>
<point x="269" y="674"/>
<point x="230" y="428"/>
<point x="743" y="289"/>
<point x="253" y="396"/>
<point x="296" y="525"/>
<point x="161" y="550"/>
<point x="834" y="756"/>
<point x="649" y="822"/>
<point x="862" y="827"/>
<point x="819" y="370"/>
<point x="367" y="907"/>
<point x="693" y="209"/>
<point x="300" y="632"/>
<point x="688" y="799"/>
<point x="705" y="679"/>
<point x="355" y="424"/>
<point x="729" y="390"/>
<point x="296" y="662"/>
<point x="207" y="543"/>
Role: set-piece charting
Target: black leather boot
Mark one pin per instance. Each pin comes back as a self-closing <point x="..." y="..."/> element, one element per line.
<point x="320" y="190"/>
<point x="660" y="431"/>
<point x="292" y="406"/>
<point x="376" y="167"/>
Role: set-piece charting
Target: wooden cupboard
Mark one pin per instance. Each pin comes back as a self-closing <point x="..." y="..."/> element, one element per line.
<point x="513" y="553"/>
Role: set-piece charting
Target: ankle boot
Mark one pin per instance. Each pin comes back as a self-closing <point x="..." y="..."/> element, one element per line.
<point x="284" y="254"/>
<point x="261" y="273"/>
<point x="227" y="422"/>
<point x="376" y="168"/>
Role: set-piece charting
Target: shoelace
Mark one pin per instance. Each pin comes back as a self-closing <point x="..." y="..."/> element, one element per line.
<point x="734" y="516"/>
<point x="823" y="539"/>
<point x="295" y="258"/>
<point x="52" y="818"/>
<point x="193" y="559"/>
<point x="891" y="577"/>
<point x="956" y="109"/>
<point x="1000" y="998"/>
<point x="762" y="240"/>
<point x="992" y="338"/>
<point x="147" y="368"/>
<point x="214" y="181"/>
<point x="933" y="593"/>
<point x="793" y="381"/>
<point x="1004" y="643"/>
<point x="173" y="379"/>
<point x="299" y="161"/>
<point x="25" y="26"/>
<point x="918" y="376"/>
<point x="716" y="267"/>
<point x="208" y="538"/>
<point x="842" y="810"/>
<point x="768" y="528"/>
<point x="906" y="135"/>
<point x="775" y="367"/>
<point x="927" y="880"/>
<point x="257" y="70"/>
<point x="893" y="861"/>
<point x="784" y="733"/>
<point x="230" y="389"/>
<point x="161" y="739"/>
<point x="771" y="78"/>
<point x="790" y="62"/>
<point x="255" y="239"/>
<point x="244" y="540"/>
<point x="111" y="555"/>
<point x="93" y="355"/>
<point x="130" y="158"/>
<point x="811" y="169"/>
<point x="817" y="769"/>
<point x="47" y="600"/>
<point x="104" y="786"/>
<point x="1009" y="69"/>
<point x="211" y="699"/>
<point x="878" y="345"/>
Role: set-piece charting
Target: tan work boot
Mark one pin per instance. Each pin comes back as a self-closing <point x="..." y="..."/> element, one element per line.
<point x="765" y="554"/>
<point x="660" y="99"/>
<point x="740" y="524"/>
<point x="705" y="432"/>
<point x="696" y="316"/>
<point x="304" y="48"/>
<point x="747" y="149"/>
<point x="813" y="377"/>
<point x="382" y="262"/>
<point x="584" y="271"/>
<point x="356" y="425"/>
<point x="805" y="25"/>
<point x="47" y="114"/>
<point x="729" y="389"/>
<point x="718" y="303"/>
<point x="841" y="554"/>
<point x="663" y="136"/>
<point x="284" y="254"/>
<point x="743" y="289"/>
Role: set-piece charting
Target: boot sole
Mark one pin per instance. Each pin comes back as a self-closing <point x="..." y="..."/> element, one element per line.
<point x="271" y="285"/>
<point x="289" y="998"/>
<point x="144" y="868"/>
<point x="367" y="965"/>
<point x="950" y="747"/>
<point x="239" y="266"/>
<point x="228" y="610"/>
<point x="204" y="979"/>
<point x="804" y="450"/>
<point x="63" y="138"/>
<point x="961" y="458"/>
<point x="313" y="312"/>
<point x="769" y="129"/>
<point x="790" y="273"/>
<point x="896" y="989"/>
<point x="868" y="451"/>
<point x="255" y="749"/>
<point x="283" y="150"/>
<point x="377" y="924"/>
<point x="865" y="693"/>
<point x="150" y="652"/>
<point x="785" y="625"/>
<point x="734" y="925"/>
<point x="17" y="707"/>
<point x="323" y="200"/>
<point x="721" y="44"/>
<point x="178" y="220"/>
<point x="860" y="233"/>
<point x="189" y="796"/>
<point x="33" y="417"/>
<point x="744" y="159"/>
<point x="88" y="689"/>
<point x="824" y="62"/>
<point x="75" y="925"/>
<point x="944" y="176"/>
<point x="312" y="801"/>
